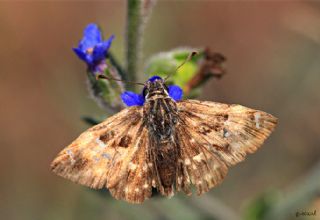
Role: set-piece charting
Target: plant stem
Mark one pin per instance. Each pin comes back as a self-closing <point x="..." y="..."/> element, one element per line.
<point x="137" y="13"/>
<point x="133" y="34"/>
<point x="116" y="64"/>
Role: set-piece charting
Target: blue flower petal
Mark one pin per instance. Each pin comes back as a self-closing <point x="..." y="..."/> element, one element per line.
<point x="154" y="78"/>
<point x="100" y="50"/>
<point x="132" y="99"/>
<point x="175" y="92"/>
<point x="99" y="53"/>
<point x="81" y="54"/>
<point x="91" y="37"/>
<point x="107" y="43"/>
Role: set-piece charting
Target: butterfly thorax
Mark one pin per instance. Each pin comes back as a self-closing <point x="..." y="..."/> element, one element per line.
<point x="160" y="117"/>
<point x="160" y="111"/>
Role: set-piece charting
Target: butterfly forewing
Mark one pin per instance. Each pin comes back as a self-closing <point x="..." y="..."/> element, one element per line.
<point x="100" y="156"/>
<point x="228" y="132"/>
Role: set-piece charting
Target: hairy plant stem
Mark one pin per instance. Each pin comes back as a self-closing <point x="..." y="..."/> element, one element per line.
<point x="117" y="65"/>
<point x="137" y="14"/>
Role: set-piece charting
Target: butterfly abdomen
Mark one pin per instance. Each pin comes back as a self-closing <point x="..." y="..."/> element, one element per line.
<point x="166" y="161"/>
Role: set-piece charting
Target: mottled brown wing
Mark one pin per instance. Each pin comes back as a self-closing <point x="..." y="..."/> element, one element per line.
<point x="213" y="136"/>
<point x="136" y="184"/>
<point x="110" y="154"/>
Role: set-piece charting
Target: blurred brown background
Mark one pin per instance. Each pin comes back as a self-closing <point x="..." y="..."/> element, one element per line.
<point x="273" y="52"/>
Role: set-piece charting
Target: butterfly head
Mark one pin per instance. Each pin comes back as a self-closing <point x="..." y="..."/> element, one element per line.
<point x="154" y="86"/>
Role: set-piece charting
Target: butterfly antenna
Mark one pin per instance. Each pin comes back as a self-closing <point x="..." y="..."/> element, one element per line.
<point x="100" y="76"/>
<point x="192" y="54"/>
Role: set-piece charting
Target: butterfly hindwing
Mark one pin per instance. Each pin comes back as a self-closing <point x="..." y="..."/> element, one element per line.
<point x="214" y="136"/>
<point x="197" y="165"/>
<point x="136" y="184"/>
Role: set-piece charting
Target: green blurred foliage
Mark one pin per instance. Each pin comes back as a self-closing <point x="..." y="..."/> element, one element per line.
<point x="261" y="205"/>
<point x="166" y="63"/>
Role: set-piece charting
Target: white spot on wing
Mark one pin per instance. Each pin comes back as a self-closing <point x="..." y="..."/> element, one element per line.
<point x="208" y="176"/>
<point x="257" y="117"/>
<point x="187" y="161"/>
<point x="236" y="145"/>
<point x="100" y="143"/>
<point x="194" y="166"/>
<point x="132" y="166"/>
<point x="70" y="153"/>
<point x="198" y="157"/>
<point x="216" y="166"/>
<point x="145" y="167"/>
<point x="107" y="156"/>
<point x="153" y="183"/>
<point x="96" y="159"/>
<point x="226" y="133"/>
<point x="145" y="186"/>
<point x="171" y="194"/>
<point x="179" y="179"/>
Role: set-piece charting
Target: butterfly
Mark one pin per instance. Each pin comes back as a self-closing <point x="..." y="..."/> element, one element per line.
<point x="163" y="142"/>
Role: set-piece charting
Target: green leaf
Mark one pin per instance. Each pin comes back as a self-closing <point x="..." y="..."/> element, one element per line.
<point x="166" y="63"/>
<point x="190" y="76"/>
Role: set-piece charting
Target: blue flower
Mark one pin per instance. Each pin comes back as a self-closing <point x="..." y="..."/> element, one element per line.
<point x="175" y="92"/>
<point x="154" y="78"/>
<point x="92" y="49"/>
<point x="132" y="99"/>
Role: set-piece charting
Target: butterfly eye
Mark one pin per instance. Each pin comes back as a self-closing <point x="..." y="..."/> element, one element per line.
<point x="144" y="91"/>
<point x="166" y="87"/>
